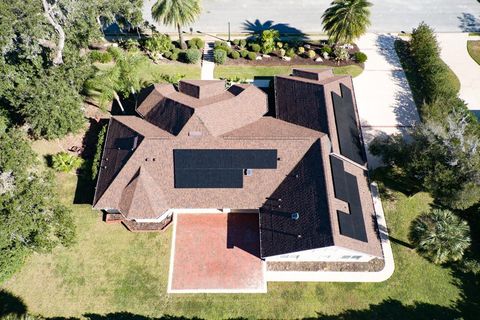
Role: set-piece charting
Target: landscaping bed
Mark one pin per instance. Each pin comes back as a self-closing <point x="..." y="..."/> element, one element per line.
<point x="371" y="266"/>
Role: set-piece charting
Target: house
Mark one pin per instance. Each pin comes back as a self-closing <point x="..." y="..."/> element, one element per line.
<point x="204" y="148"/>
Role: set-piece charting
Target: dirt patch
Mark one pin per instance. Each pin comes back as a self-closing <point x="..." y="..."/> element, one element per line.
<point x="371" y="266"/>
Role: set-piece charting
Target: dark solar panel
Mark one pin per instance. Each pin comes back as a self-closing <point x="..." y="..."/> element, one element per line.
<point x="346" y="188"/>
<point x="216" y="168"/>
<point x="347" y="128"/>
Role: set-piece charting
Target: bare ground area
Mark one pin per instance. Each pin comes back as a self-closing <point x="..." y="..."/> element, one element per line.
<point x="372" y="266"/>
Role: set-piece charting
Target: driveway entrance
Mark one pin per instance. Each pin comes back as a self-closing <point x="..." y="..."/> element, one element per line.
<point x="216" y="253"/>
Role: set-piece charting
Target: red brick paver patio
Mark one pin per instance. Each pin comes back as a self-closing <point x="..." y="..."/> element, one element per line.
<point x="216" y="253"/>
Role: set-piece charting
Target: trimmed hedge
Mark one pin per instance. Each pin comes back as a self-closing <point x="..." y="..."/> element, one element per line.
<point x="219" y="56"/>
<point x="192" y="55"/>
<point x="252" y="56"/>
<point x="234" y="55"/>
<point x="360" y="57"/>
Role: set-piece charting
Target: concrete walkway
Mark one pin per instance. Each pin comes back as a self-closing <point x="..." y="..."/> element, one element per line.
<point x="454" y="53"/>
<point x="208" y="66"/>
<point x="341" y="276"/>
<point x="384" y="99"/>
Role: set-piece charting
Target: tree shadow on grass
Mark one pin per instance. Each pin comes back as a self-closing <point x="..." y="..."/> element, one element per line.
<point x="391" y="309"/>
<point x="11" y="305"/>
<point x="393" y="179"/>
<point x="285" y="29"/>
<point x="131" y="316"/>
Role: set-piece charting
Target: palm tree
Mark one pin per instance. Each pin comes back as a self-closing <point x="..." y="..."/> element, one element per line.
<point x="177" y="13"/>
<point x="346" y="20"/>
<point x="440" y="236"/>
<point x="124" y="78"/>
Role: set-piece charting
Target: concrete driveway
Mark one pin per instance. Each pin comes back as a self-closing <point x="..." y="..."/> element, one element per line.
<point x="454" y="53"/>
<point x="305" y="15"/>
<point x="384" y="99"/>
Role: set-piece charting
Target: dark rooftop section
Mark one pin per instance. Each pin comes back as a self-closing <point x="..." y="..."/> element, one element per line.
<point x="301" y="103"/>
<point x="120" y="143"/>
<point x="348" y="131"/>
<point x="215" y="168"/>
<point x="304" y="192"/>
<point x="170" y="115"/>
<point x="346" y="188"/>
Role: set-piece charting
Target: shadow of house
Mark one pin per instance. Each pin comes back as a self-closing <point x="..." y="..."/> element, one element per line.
<point x="242" y="232"/>
<point x="406" y="112"/>
<point x="469" y="23"/>
<point x="11" y="305"/>
<point x="285" y="29"/>
<point x="131" y="316"/>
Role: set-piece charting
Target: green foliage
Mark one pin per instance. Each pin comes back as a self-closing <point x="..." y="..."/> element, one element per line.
<point x="290" y="53"/>
<point x="174" y="56"/>
<point x="244" y="53"/>
<point x="279" y="45"/>
<point x="341" y="54"/>
<point x="98" y="152"/>
<point x="255" y="47"/>
<point x="243" y="43"/>
<point x="440" y="236"/>
<point x="301" y="50"/>
<point x="326" y="49"/>
<point x="219" y="56"/>
<point x="66" y="162"/>
<point x="281" y="52"/>
<point x="176" y="13"/>
<point x="192" y="55"/>
<point x="268" y="39"/>
<point x="234" y="55"/>
<point x="197" y="42"/>
<point x="29" y="207"/>
<point x="236" y="42"/>
<point x="360" y="57"/>
<point x="116" y="52"/>
<point x="311" y="53"/>
<point x="99" y="56"/>
<point x="131" y="45"/>
<point x="158" y="44"/>
<point x="346" y="20"/>
<point x="252" y="56"/>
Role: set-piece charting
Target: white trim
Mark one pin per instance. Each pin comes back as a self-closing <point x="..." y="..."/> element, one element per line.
<point x="172" y="254"/>
<point x="339" y="276"/>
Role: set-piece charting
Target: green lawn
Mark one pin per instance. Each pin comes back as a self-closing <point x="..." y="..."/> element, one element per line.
<point x="113" y="270"/>
<point x="474" y="50"/>
<point x="190" y="71"/>
<point x="249" y="72"/>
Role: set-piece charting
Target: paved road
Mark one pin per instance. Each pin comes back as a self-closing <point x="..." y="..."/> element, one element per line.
<point x="455" y="54"/>
<point x="305" y="15"/>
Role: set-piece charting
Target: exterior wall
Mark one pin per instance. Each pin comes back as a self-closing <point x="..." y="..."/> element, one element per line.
<point x="333" y="254"/>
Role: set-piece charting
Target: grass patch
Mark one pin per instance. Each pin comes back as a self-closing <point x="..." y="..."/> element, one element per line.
<point x="250" y="72"/>
<point x="113" y="270"/>
<point x="473" y="48"/>
<point x="150" y="68"/>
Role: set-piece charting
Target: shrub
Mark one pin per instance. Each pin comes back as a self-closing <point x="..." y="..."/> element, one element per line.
<point x="268" y="39"/>
<point x="279" y="45"/>
<point x="281" y="52"/>
<point x="174" y="56"/>
<point x="290" y="53"/>
<point x="300" y="50"/>
<point x="221" y="45"/>
<point x="176" y="50"/>
<point x="236" y="42"/>
<point x="326" y="49"/>
<point x="255" y="47"/>
<point x="341" y="54"/>
<point x="158" y="43"/>
<point x="192" y="55"/>
<point x="102" y="57"/>
<point x="115" y="52"/>
<point x="252" y="56"/>
<point x="65" y="162"/>
<point x="98" y="152"/>
<point x="311" y="53"/>
<point x="235" y="55"/>
<point x="130" y="45"/>
<point x="219" y="56"/>
<point x="243" y="43"/>
<point x="440" y="236"/>
<point x="196" y="43"/>
<point x="360" y="57"/>
<point x="167" y="54"/>
<point x="244" y="53"/>
<point x="172" y="46"/>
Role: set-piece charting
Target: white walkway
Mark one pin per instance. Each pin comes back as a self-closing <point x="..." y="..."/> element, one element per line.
<point x="384" y="99"/>
<point x="455" y="54"/>
<point x="340" y="276"/>
<point x="208" y="66"/>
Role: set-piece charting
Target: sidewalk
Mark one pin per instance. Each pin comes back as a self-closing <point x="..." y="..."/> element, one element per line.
<point x="208" y="66"/>
<point x="454" y="53"/>
<point x="384" y="99"/>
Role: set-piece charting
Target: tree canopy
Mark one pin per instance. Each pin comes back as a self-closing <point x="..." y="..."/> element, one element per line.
<point x="346" y="20"/>
<point x="31" y="216"/>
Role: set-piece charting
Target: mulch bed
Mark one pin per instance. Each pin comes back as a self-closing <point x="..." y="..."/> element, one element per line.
<point x="371" y="266"/>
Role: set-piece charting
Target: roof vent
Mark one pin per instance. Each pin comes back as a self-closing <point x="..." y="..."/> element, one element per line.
<point x="248" y="172"/>
<point x="295" y="216"/>
<point x="195" y="133"/>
